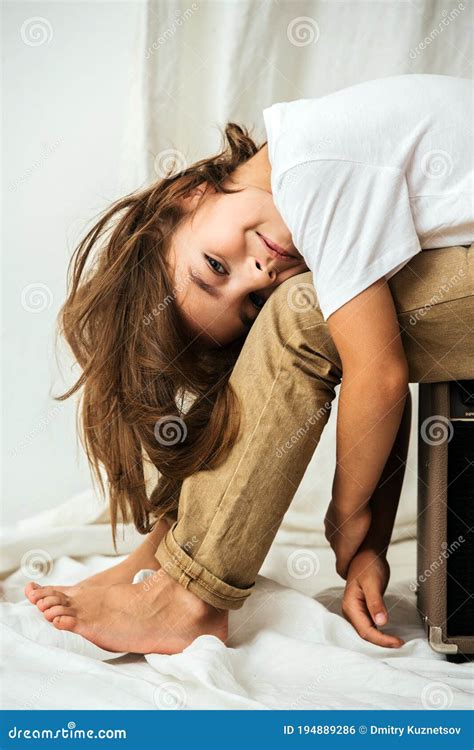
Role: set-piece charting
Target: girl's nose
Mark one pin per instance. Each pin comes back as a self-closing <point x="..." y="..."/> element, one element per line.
<point x="265" y="271"/>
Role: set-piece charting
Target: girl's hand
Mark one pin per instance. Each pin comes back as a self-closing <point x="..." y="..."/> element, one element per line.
<point x="362" y="603"/>
<point x="345" y="533"/>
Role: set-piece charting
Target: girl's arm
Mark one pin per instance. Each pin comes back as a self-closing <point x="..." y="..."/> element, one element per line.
<point x="372" y="399"/>
<point x="369" y="573"/>
<point x="385" y="499"/>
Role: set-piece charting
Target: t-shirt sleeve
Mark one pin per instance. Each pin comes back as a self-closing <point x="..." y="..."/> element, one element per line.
<point x="352" y="222"/>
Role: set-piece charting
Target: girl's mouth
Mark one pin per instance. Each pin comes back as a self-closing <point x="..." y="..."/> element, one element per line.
<point x="275" y="249"/>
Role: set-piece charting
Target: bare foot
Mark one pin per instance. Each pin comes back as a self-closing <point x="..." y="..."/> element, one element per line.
<point x="160" y="616"/>
<point x="123" y="572"/>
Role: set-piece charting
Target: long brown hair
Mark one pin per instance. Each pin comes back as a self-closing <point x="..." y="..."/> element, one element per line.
<point x="147" y="385"/>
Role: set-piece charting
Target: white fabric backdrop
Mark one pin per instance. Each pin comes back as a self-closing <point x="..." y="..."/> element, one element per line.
<point x="200" y="65"/>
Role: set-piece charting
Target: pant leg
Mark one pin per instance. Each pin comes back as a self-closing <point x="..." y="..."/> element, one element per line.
<point x="285" y="380"/>
<point x="434" y="298"/>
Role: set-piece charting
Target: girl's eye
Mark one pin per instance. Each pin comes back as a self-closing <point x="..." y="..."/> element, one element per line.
<point x="256" y="300"/>
<point x="215" y="265"/>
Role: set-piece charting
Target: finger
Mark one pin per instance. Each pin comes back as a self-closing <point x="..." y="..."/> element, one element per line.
<point x="359" y="617"/>
<point x="374" y="601"/>
<point x="369" y="632"/>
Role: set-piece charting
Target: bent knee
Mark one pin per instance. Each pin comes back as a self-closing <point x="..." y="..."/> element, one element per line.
<point x="292" y="308"/>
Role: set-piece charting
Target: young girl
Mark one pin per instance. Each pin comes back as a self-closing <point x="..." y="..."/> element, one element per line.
<point x="351" y="186"/>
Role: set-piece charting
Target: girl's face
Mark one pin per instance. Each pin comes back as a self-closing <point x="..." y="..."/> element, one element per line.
<point x="227" y="259"/>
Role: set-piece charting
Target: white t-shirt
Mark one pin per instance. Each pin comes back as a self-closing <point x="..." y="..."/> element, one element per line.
<point x="366" y="177"/>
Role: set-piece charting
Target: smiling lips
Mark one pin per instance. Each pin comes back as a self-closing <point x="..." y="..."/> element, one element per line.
<point x="275" y="249"/>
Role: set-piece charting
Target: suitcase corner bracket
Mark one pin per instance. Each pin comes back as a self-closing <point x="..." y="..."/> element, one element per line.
<point x="437" y="644"/>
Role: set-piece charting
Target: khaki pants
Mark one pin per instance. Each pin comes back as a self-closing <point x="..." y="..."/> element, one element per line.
<point x="285" y="380"/>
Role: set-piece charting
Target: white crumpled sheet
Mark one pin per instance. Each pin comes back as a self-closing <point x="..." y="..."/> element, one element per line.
<point x="288" y="648"/>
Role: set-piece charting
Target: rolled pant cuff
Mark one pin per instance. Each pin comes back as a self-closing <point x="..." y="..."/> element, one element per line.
<point x="193" y="576"/>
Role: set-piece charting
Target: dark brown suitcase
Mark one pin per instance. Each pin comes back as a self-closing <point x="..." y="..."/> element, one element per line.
<point x="445" y="522"/>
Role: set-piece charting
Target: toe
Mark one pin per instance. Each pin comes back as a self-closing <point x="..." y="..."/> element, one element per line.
<point x="58" y="610"/>
<point x="51" y="601"/>
<point x="40" y="592"/>
<point x="64" y="622"/>
<point x="43" y="591"/>
<point x="29" y="588"/>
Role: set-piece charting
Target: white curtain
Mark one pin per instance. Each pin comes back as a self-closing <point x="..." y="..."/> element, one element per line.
<point x="201" y="64"/>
